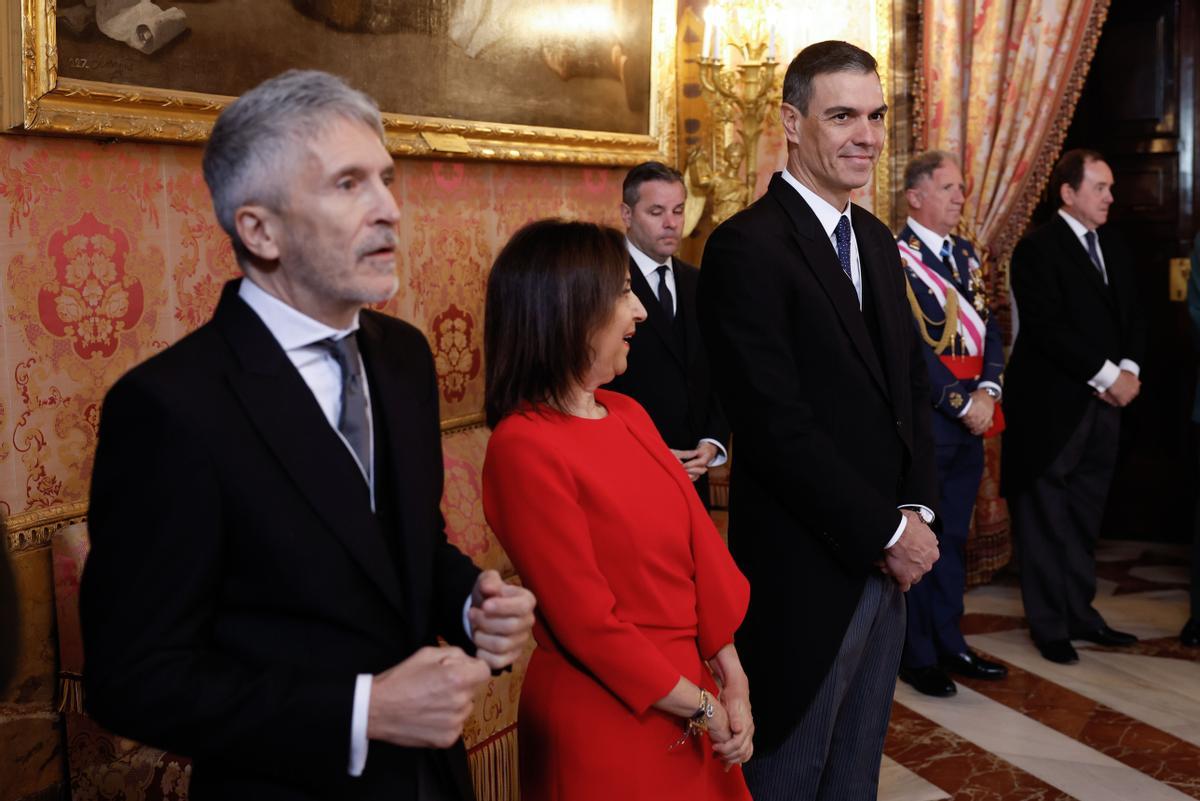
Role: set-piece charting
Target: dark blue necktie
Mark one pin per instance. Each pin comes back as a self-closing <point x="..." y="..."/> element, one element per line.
<point x="1094" y="255"/>
<point x="842" y="232"/>
<point x="948" y="261"/>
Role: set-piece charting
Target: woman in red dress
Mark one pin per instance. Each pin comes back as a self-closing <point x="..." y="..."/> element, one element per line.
<point x="638" y="597"/>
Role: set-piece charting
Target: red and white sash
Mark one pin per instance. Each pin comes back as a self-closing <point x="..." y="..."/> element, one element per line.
<point x="971" y="327"/>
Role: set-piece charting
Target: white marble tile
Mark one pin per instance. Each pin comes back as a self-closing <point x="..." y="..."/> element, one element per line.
<point x="1163" y="574"/>
<point x="1054" y="758"/>
<point x="1120" y="550"/>
<point x="1148" y="616"/>
<point x="996" y="599"/>
<point x="1166" y="696"/>
<point x="898" y="783"/>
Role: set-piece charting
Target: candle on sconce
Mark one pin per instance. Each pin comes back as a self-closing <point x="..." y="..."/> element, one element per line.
<point x="706" y="49"/>
<point x="771" y="44"/>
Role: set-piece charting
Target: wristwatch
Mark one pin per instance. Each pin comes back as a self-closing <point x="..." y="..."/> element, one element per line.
<point x="993" y="392"/>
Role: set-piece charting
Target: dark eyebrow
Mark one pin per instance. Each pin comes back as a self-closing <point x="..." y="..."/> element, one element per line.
<point x="834" y="110"/>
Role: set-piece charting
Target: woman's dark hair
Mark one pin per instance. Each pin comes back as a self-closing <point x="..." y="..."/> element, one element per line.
<point x="552" y="285"/>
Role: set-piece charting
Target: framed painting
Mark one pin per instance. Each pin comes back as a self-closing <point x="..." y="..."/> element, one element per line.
<point x="580" y="81"/>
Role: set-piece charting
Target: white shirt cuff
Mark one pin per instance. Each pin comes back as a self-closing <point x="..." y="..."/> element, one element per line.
<point x="963" y="411"/>
<point x="986" y="385"/>
<point x="467" y="620"/>
<point x="1130" y="366"/>
<point x="1107" y="376"/>
<point x="924" y="511"/>
<point x="358" y="724"/>
<point x="722" y="456"/>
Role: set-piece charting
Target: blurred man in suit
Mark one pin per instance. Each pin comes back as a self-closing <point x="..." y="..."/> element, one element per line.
<point x="1074" y="366"/>
<point x="964" y="353"/>
<point x="1190" y="635"/>
<point x="803" y="309"/>
<point x="269" y="571"/>
<point x="668" y="368"/>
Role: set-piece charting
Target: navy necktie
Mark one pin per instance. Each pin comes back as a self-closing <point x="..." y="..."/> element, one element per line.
<point x="842" y="232"/>
<point x="664" y="293"/>
<point x="352" y="422"/>
<point x="948" y="261"/>
<point x="1094" y="255"/>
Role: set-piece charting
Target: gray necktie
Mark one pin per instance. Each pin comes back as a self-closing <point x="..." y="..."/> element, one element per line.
<point x="1094" y="255"/>
<point x="353" y="420"/>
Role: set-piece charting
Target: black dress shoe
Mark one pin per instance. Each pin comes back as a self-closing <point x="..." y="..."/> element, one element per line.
<point x="973" y="666"/>
<point x="1190" y="635"/>
<point x="930" y="680"/>
<point x="1106" y="636"/>
<point x="1060" y="651"/>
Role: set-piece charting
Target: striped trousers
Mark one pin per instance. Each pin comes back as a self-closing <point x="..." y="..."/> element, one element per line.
<point x="833" y="753"/>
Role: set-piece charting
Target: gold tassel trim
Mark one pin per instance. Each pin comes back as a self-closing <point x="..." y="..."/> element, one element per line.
<point x="923" y="322"/>
<point x="70" y="692"/>
<point x="493" y="766"/>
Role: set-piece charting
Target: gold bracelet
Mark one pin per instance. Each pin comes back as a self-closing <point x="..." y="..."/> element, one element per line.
<point x="697" y="724"/>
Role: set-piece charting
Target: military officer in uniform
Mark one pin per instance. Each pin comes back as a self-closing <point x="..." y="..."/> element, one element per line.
<point x="965" y="358"/>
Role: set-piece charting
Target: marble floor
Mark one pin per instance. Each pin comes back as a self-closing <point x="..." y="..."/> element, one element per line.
<point x="1120" y="725"/>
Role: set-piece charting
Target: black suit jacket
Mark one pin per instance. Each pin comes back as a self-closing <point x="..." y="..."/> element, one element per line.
<point x="668" y="374"/>
<point x="832" y="434"/>
<point x="1069" y="322"/>
<point x="238" y="580"/>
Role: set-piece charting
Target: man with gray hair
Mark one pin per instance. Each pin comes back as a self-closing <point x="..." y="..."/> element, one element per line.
<point x="269" y="572"/>
<point x="964" y="353"/>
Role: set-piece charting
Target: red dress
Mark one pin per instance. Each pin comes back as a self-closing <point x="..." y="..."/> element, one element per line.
<point x="634" y="589"/>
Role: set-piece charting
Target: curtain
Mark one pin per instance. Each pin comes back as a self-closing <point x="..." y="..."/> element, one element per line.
<point x="997" y="86"/>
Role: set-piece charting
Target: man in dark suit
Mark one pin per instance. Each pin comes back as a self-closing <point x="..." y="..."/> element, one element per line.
<point x="668" y="368"/>
<point x="964" y="353"/>
<point x="1074" y="365"/>
<point x="803" y="309"/>
<point x="269" y="571"/>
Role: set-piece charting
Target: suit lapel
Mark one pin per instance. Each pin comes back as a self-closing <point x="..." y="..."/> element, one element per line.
<point x="876" y="267"/>
<point x="685" y="286"/>
<point x="823" y="260"/>
<point x="656" y="319"/>
<point x="1082" y="261"/>
<point x="283" y="410"/>
<point x="402" y="402"/>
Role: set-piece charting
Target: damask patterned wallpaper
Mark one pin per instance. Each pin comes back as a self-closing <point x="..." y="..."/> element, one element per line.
<point x="111" y="252"/>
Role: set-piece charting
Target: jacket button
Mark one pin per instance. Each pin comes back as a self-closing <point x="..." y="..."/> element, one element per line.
<point x="899" y="424"/>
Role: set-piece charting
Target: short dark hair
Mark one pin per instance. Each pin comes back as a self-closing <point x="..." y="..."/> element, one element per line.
<point x="646" y="171"/>
<point x="551" y="287"/>
<point x="1069" y="170"/>
<point x="821" y="58"/>
<point x="923" y="166"/>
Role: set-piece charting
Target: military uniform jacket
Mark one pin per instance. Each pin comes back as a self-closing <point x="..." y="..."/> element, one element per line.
<point x="949" y="394"/>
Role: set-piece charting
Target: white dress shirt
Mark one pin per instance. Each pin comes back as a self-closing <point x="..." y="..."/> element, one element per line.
<point x="935" y="241"/>
<point x="649" y="268"/>
<point x="300" y="336"/>
<point x="1109" y="372"/>
<point x="828" y="216"/>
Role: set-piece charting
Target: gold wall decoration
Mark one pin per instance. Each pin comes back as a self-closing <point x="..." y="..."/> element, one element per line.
<point x="69" y="79"/>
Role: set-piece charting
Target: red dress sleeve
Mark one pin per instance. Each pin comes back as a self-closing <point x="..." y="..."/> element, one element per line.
<point x="531" y="502"/>
<point x="722" y="592"/>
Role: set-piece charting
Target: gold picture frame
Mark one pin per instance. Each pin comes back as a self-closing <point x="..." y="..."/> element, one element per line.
<point x="34" y="98"/>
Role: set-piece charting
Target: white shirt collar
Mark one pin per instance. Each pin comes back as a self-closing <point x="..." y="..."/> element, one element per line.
<point x="646" y="264"/>
<point x="1079" y="228"/>
<point x="930" y="238"/>
<point x="827" y="215"/>
<point x="291" y="328"/>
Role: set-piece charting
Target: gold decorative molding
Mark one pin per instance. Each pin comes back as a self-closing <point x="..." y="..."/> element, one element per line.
<point x="453" y="425"/>
<point x="882" y="47"/>
<point x="76" y="107"/>
<point x="33" y="529"/>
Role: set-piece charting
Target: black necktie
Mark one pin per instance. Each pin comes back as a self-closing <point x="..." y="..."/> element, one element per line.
<point x="353" y="420"/>
<point x="1094" y="255"/>
<point x="664" y="293"/>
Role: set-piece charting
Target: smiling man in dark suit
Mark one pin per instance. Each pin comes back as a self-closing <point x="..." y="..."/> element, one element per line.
<point x="269" y="572"/>
<point x="803" y="309"/>
<point x="1074" y="366"/>
<point x="668" y="368"/>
